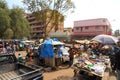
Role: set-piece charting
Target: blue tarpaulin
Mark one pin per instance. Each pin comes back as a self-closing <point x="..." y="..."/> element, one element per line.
<point x="59" y="52"/>
<point x="55" y="39"/>
<point x="47" y="49"/>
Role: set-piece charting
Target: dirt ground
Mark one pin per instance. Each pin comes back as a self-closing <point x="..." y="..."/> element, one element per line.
<point x="67" y="74"/>
<point x="112" y="76"/>
<point x="23" y="53"/>
<point x="64" y="74"/>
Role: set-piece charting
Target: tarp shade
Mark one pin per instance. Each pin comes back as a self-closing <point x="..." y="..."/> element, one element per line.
<point x="47" y="49"/>
<point x="55" y="39"/>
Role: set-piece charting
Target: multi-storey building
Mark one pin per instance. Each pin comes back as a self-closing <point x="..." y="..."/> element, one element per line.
<point x="38" y="28"/>
<point x="87" y="29"/>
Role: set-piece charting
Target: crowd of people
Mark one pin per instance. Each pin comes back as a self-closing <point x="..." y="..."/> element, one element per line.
<point x="11" y="46"/>
<point x="95" y="49"/>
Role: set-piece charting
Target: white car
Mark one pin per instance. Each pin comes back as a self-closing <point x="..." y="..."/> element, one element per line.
<point x="65" y="54"/>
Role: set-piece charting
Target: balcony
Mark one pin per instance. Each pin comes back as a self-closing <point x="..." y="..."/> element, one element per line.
<point x="37" y="36"/>
<point x="37" y="26"/>
<point x="37" y="31"/>
<point x="31" y="17"/>
<point x="89" y="33"/>
<point x="33" y="22"/>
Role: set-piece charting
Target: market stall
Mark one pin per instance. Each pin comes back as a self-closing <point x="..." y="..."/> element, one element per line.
<point x="94" y="66"/>
<point x="50" y="51"/>
<point x="90" y="68"/>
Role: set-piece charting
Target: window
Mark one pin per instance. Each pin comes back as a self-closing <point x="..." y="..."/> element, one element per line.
<point x="86" y="28"/>
<point x="97" y="27"/>
<point x="77" y="28"/>
<point x="81" y="29"/>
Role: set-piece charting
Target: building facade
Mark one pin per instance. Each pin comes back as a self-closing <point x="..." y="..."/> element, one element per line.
<point x="69" y="29"/>
<point x="62" y="35"/>
<point x="37" y="26"/>
<point x="87" y="29"/>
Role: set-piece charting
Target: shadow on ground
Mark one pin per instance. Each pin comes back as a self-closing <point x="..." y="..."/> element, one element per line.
<point x="64" y="78"/>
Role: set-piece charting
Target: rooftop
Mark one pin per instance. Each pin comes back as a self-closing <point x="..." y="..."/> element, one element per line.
<point x="91" y="22"/>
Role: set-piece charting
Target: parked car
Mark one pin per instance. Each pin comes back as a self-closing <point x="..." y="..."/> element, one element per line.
<point x="65" y="54"/>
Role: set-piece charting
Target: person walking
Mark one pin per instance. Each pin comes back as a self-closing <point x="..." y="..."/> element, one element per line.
<point x="72" y="52"/>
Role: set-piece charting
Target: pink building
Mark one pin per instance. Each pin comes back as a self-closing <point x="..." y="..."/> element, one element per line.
<point x="87" y="29"/>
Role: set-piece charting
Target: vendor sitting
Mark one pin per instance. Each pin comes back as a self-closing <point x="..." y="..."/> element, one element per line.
<point x="20" y="59"/>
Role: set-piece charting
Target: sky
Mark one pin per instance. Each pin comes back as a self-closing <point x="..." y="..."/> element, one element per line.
<point x="88" y="9"/>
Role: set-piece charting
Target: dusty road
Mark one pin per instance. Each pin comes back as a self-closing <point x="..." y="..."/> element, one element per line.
<point x="64" y="74"/>
<point x="112" y="76"/>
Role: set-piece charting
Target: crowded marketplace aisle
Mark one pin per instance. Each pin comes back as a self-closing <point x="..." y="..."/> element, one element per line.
<point x="92" y="57"/>
<point x="67" y="74"/>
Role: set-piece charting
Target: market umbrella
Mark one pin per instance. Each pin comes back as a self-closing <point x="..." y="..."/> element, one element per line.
<point x="118" y="38"/>
<point x="105" y="39"/>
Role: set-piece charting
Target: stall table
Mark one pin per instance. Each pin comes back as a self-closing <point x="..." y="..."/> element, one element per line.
<point x="89" y="73"/>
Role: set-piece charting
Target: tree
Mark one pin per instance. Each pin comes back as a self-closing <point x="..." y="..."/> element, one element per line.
<point x="49" y="12"/>
<point x="117" y="32"/>
<point x="3" y="4"/>
<point x="13" y="24"/>
<point x="4" y="18"/>
<point x="19" y="23"/>
<point x="8" y="34"/>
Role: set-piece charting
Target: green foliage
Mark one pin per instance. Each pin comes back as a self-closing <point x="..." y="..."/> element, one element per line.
<point x="117" y="32"/>
<point x="3" y="4"/>
<point x="8" y="34"/>
<point x="13" y="24"/>
<point x="61" y="6"/>
<point x="4" y="21"/>
<point x="19" y="24"/>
